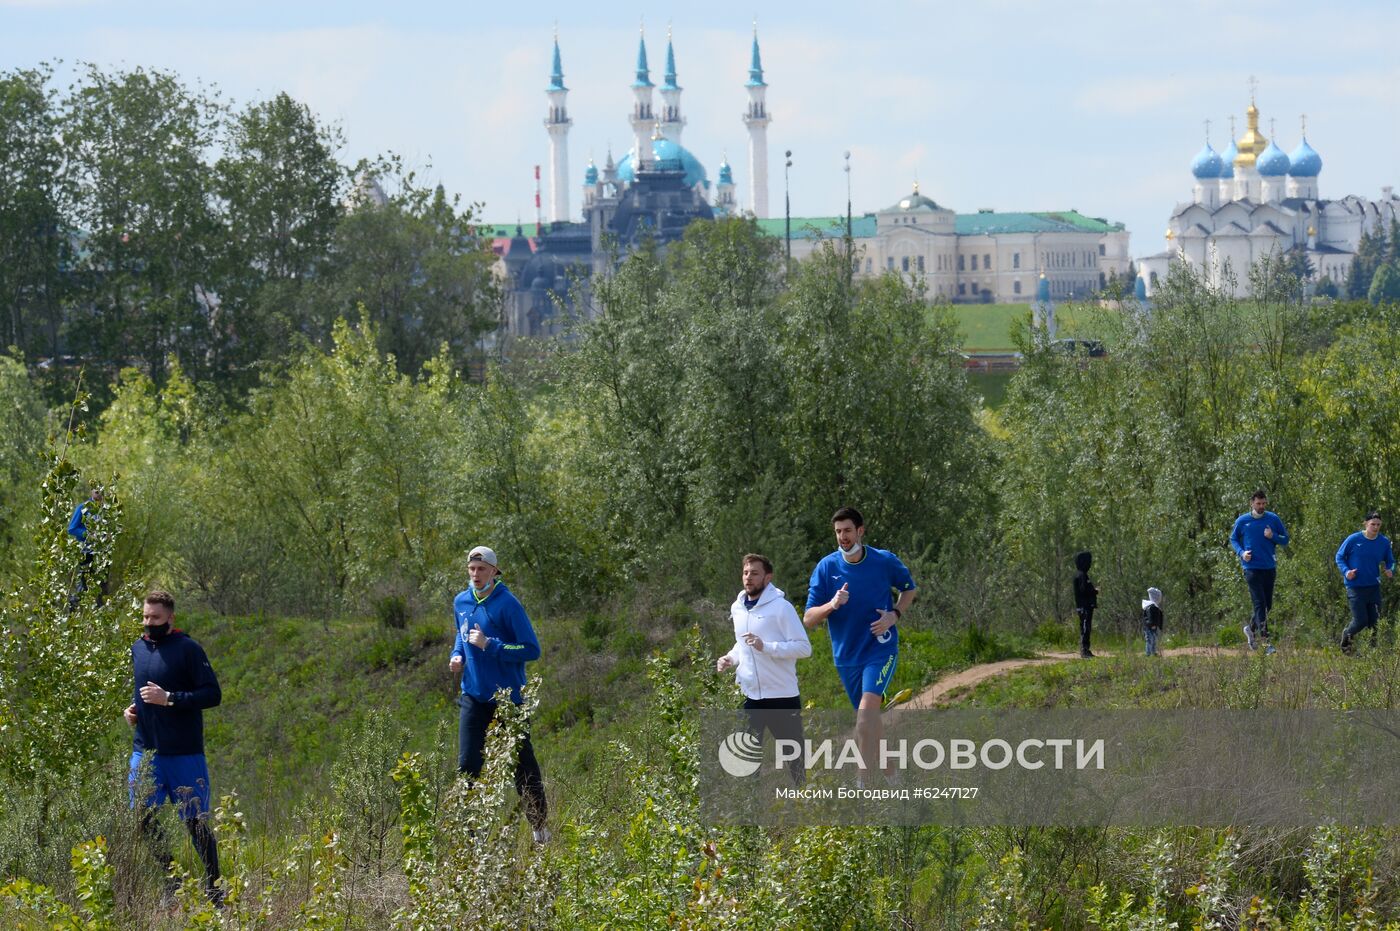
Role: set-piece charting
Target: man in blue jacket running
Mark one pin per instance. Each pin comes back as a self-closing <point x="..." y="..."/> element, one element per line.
<point x="78" y="530"/>
<point x="494" y="642"/>
<point x="172" y="684"/>
<point x="852" y="590"/>
<point x="1361" y="558"/>
<point x="1253" y="538"/>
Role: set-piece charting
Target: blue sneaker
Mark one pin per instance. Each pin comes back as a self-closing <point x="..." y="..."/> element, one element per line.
<point x="1269" y="649"/>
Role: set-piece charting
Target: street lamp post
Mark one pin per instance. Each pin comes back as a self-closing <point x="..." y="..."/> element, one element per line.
<point x="850" y="238"/>
<point x="787" y="207"/>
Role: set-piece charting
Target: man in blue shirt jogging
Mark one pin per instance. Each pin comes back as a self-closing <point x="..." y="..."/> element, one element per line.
<point x="852" y="590"/>
<point x="494" y="642"/>
<point x="78" y="530"/>
<point x="1253" y="538"/>
<point x="1361" y="558"/>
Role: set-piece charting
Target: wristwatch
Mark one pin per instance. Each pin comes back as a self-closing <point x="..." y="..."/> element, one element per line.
<point x="170" y="699"/>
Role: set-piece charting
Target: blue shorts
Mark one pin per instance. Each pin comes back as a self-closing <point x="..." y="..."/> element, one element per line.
<point x="874" y="676"/>
<point x="182" y="779"/>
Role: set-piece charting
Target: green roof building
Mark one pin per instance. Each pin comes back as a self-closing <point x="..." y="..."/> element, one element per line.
<point x="983" y="257"/>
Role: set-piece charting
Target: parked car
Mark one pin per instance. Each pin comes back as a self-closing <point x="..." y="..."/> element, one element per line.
<point x="1086" y="347"/>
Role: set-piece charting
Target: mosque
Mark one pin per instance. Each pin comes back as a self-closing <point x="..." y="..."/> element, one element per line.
<point x="658" y="187"/>
<point x="1255" y="200"/>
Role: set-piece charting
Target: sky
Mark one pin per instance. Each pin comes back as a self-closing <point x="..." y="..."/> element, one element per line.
<point x="1004" y="104"/>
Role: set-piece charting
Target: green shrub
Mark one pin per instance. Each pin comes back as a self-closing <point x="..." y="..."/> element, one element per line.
<point x="392" y="611"/>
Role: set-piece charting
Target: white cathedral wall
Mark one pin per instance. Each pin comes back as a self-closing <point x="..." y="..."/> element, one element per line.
<point x="1232" y="254"/>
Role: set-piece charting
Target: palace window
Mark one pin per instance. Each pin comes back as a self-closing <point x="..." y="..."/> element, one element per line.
<point x="1016" y="286"/>
<point x="960" y="263"/>
<point x="1015" y="260"/>
<point x="921" y="263"/>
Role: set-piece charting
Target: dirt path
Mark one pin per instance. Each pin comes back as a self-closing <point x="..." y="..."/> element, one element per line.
<point x="944" y="689"/>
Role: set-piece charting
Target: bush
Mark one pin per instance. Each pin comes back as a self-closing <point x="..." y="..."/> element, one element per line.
<point x="392" y="611"/>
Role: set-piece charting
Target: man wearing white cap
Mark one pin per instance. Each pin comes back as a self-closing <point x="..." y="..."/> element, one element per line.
<point x="494" y="642"/>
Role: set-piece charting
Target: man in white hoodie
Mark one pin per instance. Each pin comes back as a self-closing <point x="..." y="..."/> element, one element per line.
<point x="769" y="639"/>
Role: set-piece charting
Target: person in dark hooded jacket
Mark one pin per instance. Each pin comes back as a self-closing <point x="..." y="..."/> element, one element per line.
<point x="1086" y="599"/>
<point x="172" y="685"/>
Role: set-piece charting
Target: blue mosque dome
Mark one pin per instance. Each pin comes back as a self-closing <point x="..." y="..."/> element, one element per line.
<point x="726" y="174"/>
<point x="1207" y="163"/>
<point x="667" y="156"/>
<point x="1305" y="162"/>
<point x="591" y="175"/>
<point x="1227" y="161"/>
<point x="1042" y="290"/>
<point x="1273" y="163"/>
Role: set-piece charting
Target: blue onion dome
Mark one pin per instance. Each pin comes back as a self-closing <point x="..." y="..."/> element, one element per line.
<point x="1273" y="163"/>
<point x="591" y="175"/>
<point x="1305" y="162"/>
<point x="726" y="174"/>
<point x="1140" y="288"/>
<point x="1227" y="161"/>
<point x="666" y="156"/>
<point x="1042" y="290"/>
<point x="1207" y="163"/>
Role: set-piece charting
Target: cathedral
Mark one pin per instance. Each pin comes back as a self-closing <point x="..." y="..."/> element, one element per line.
<point x="1255" y="200"/>
<point x="656" y="189"/>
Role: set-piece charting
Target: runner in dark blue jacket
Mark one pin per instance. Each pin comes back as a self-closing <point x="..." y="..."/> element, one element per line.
<point x="1253" y="538"/>
<point x="1361" y="558"/>
<point x="172" y="683"/>
<point x="494" y="642"/>
<point x="78" y="530"/>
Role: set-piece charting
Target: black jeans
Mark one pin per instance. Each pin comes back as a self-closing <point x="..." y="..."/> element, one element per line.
<point x="1365" y="606"/>
<point x="204" y="844"/>
<point x="1261" y="594"/>
<point x="471" y="756"/>
<point x="1086" y="627"/>
<point x="781" y="717"/>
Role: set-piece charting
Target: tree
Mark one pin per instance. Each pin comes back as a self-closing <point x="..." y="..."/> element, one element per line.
<point x="1370" y="255"/>
<point x="281" y="187"/>
<point x="144" y="203"/>
<point x="1385" y="286"/>
<point x="416" y="267"/>
<point x="880" y="413"/>
<point x="21" y="448"/>
<point x="34" y="240"/>
<point x="1297" y="264"/>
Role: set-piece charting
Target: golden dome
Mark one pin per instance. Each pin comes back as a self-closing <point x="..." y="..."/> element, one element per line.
<point x="1252" y="143"/>
<point x="1312" y="231"/>
<point x="1170" y="235"/>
